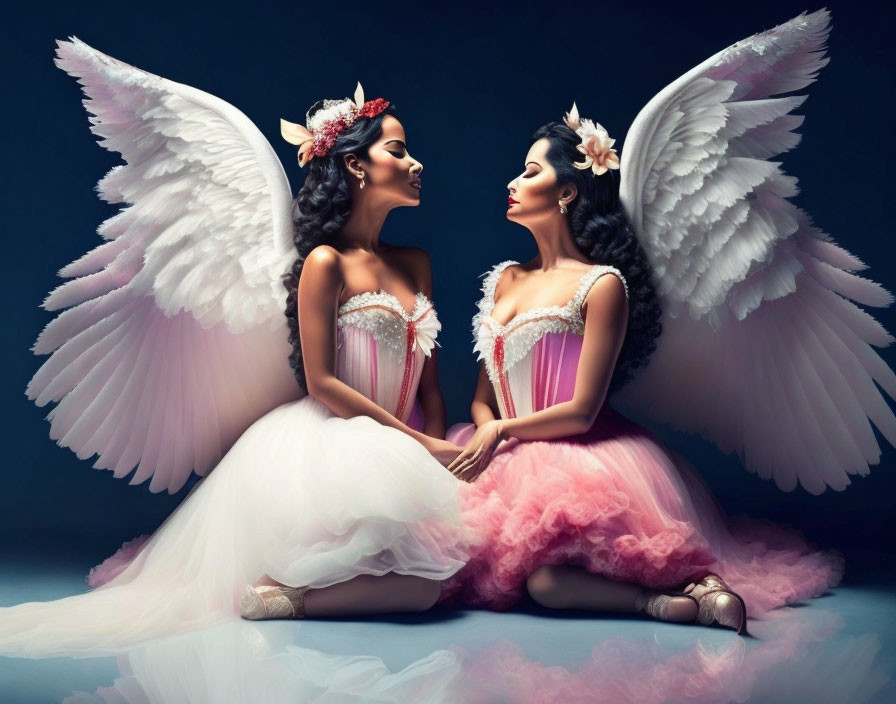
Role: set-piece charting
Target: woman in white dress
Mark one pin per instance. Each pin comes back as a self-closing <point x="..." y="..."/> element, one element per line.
<point x="177" y="342"/>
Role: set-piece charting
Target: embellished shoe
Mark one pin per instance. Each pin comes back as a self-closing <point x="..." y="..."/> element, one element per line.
<point x="718" y="604"/>
<point x="265" y="602"/>
<point x="675" y="608"/>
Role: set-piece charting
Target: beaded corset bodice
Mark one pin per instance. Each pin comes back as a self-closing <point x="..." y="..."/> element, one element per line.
<point x="532" y="359"/>
<point x="380" y="347"/>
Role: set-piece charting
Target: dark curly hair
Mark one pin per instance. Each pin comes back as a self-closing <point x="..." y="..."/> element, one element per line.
<point x="320" y="211"/>
<point x="603" y="233"/>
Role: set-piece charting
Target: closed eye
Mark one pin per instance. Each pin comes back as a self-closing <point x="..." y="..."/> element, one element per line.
<point x="397" y="148"/>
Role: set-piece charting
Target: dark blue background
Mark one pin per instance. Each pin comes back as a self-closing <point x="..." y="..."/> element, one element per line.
<point x="470" y="85"/>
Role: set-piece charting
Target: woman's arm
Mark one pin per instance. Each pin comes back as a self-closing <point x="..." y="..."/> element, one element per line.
<point x="431" y="401"/>
<point x="428" y="392"/>
<point x="485" y="406"/>
<point x="320" y="286"/>
<point x="606" y="318"/>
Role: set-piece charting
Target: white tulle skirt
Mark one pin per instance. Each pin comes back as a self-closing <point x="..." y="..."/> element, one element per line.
<point x="304" y="496"/>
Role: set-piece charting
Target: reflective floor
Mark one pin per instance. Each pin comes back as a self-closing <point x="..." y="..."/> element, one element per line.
<point x="839" y="648"/>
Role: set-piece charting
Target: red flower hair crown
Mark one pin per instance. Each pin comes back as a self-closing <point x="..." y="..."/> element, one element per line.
<point x="321" y="129"/>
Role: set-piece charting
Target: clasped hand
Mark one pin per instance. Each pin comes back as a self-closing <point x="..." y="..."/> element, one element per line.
<point x="474" y="458"/>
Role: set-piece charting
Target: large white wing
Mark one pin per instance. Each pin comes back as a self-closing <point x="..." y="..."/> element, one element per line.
<point x="763" y="350"/>
<point x="174" y="339"/>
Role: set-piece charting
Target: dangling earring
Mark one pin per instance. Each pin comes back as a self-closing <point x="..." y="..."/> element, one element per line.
<point x="361" y="185"/>
<point x="562" y="207"/>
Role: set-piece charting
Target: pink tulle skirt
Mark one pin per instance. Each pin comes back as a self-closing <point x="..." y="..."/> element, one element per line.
<point x="619" y="504"/>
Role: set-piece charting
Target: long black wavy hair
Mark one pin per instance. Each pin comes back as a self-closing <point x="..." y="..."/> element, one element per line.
<point x="320" y="211"/>
<point x="603" y="233"/>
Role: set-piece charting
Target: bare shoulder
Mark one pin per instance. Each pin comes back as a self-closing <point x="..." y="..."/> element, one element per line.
<point x="324" y="255"/>
<point x="323" y="258"/>
<point x="323" y="265"/>
<point x="607" y="297"/>
<point x="508" y="277"/>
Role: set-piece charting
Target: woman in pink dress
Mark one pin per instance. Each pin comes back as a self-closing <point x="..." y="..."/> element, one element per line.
<point x="681" y="282"/>
<point x="578" y="505"/>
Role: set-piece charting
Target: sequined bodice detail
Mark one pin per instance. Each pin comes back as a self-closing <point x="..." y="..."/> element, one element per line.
<point x="531" y="359"/>
<point x="381" y="348"/>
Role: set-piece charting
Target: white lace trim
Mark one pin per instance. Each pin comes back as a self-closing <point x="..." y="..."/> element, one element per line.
<point x="491" y="283"/>
<point x="486" y="304"/>
<point x="382" y="315"/>
<point x="588" y="280"/>
<point x="387" y="300"/>
<point x="522" y="332"/>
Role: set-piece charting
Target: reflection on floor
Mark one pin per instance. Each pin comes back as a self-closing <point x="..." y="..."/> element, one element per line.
<point x="837" y="649"/>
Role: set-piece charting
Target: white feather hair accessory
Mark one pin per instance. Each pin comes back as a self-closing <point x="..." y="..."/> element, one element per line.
<point x="320" y="131"/>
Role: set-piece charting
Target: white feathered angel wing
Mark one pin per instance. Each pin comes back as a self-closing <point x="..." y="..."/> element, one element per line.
<point x="174" y="340"/>
<point x="763" y="350"/>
